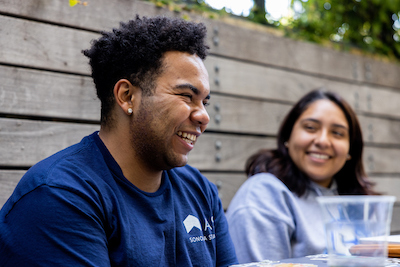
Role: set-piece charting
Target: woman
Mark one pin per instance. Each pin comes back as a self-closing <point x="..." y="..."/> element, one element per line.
<point x="274" y="215"/>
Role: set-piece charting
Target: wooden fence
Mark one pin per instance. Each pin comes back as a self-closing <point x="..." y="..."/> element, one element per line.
<point x="48" y="102"/>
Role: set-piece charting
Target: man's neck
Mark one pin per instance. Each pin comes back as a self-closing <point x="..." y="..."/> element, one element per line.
<point x="133" y="169"/>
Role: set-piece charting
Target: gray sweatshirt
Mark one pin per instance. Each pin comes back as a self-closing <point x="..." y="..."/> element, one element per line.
<point x="269" y="222"/>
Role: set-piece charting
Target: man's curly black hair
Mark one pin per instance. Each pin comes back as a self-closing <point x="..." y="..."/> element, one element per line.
<point x="135" y="50"/>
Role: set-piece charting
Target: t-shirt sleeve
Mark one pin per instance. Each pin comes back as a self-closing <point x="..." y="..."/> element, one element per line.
<point x="52" y="226"/>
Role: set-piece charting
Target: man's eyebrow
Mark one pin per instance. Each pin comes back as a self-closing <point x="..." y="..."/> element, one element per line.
<point x="191" y="87"/>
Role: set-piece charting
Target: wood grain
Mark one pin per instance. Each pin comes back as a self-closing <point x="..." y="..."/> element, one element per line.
<point x="256" y="44"/>
<point x="227" y="184"/>
<point x="38" y="45"/>
<point x="43" y="93"/>
<point x="25" y="142"/>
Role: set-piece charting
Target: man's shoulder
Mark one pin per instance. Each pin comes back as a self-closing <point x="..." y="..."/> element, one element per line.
<point x="52" y="170"/>
<point x="68" y="156"/>
<point x="60" y="170"/>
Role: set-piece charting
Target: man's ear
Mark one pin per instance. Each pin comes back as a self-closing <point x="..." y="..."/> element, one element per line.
<point x="124" y="93"/>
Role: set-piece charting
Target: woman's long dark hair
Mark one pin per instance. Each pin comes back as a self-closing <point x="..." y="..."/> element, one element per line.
<point x="351" y="179"/>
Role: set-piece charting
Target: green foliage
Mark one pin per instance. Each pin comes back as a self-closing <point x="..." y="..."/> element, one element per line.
<point x="371" y="25"/>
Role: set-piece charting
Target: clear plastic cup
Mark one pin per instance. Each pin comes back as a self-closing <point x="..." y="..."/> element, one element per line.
<point x="356" y="229"/>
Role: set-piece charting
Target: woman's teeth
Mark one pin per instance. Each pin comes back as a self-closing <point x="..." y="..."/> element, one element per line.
<point x="319" y="156"/>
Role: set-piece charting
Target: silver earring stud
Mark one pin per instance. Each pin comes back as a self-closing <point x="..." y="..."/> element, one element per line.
<point x="130" y="111"/>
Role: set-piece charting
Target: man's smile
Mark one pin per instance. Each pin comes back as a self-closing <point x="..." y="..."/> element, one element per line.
<point x="187" y="137"/>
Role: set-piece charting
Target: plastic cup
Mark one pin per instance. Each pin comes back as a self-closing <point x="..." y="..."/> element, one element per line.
<point x="356" y="229"/>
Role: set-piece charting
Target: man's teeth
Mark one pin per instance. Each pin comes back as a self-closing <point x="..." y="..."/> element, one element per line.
<point x="319" y="156"/>
<point x="187" y="137"/>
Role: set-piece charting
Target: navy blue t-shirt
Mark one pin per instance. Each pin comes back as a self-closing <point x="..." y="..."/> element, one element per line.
<point x="76" y="208"/>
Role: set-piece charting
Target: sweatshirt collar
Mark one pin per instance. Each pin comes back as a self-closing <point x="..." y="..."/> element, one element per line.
<point x="323" y="191"/>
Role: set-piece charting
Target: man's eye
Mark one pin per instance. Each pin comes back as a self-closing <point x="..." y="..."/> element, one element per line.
<point x="187" y="95"/>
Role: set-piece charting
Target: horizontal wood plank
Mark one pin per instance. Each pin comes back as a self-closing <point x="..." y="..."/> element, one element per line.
<point x="252" y="80"/>
<point x="380" y="130"/>
<point x="73" y="97"/>
<point x="226" y="152"/>
<point x="232" y="114"/>
<point x="227" y="184"/>
<point x="252" y="116"/>
<point x="26" y="142"/>
<point x="255" y="44"/>
<point x="96" y="16"/>
<point x="298" y="56"/>
<point x="382" y="160"/>
<point x="58" y="48"/>
<point x="42" y="93"/>
<point x="38" y="45"/>
<point x="387" y="186"/>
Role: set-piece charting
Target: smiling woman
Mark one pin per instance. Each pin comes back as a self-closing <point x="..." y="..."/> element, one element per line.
<point x="273" y="215"/>
<point x="319" y="142"/>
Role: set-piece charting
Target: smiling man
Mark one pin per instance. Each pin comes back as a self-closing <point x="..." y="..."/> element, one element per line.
<point x="124" y="196"/>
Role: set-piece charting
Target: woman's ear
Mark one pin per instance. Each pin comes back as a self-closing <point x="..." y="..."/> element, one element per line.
<point x="124" y="93"/>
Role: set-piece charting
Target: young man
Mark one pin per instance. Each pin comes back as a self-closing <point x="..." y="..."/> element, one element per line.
<point x="123" y="196"/>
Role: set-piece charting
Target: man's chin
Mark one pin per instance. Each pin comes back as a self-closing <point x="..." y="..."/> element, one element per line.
<point x="182" y="161"/>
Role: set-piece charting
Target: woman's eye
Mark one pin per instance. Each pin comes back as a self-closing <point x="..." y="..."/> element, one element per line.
<point x="338" y="133"/>
<point x="309" y="127"/>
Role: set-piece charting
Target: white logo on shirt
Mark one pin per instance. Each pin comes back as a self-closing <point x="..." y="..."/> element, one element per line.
<point x="193" y="222"/>
<point x="206" y="224"/>
<point x="190" y="222"/>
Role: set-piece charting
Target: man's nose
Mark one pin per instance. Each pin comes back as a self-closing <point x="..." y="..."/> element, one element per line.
<point x="200" y="116"/>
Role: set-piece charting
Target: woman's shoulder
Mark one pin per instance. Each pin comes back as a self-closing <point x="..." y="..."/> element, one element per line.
<point x="266" y="180"/>
<point x="264" y="193"/>
<point x="263" y="187"/>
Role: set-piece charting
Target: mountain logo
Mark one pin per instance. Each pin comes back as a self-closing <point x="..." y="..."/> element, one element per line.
<point x="191" y="222"/>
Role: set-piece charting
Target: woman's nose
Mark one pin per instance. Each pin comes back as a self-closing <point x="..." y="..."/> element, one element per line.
<point x="322" y="138"/>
